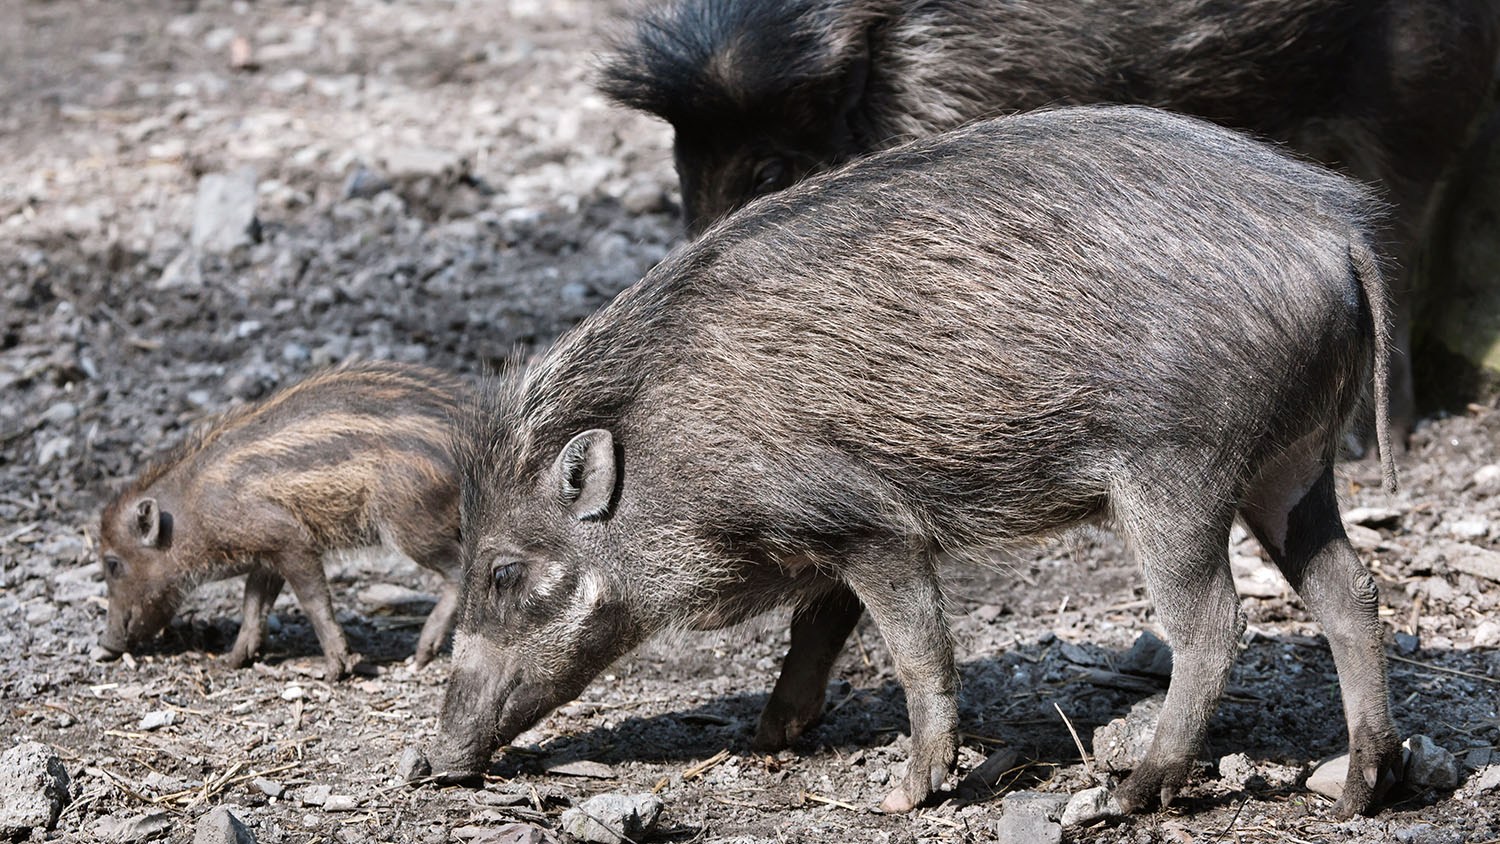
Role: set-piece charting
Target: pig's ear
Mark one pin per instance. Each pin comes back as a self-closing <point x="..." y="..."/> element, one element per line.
<point x="148" y="523"/>
<point x="584" y="474"/>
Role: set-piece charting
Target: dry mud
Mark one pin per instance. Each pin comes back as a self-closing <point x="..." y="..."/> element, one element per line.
<point x="437" y="182"/>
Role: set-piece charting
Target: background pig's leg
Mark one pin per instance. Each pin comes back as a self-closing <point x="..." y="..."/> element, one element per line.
<point x="1306" y="539"/>
<point x="1184" y="556"/>
<point x="261" y="588"/>
<point x="440" y="622"/>
<point x="303" y="571"/>
<point x="818" y="632"/>
<point x="903" y="596"/>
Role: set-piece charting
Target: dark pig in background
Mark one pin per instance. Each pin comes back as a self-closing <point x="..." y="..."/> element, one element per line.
<point x="1108" y="315"/>
<point x="762" y="93"/>
<point x="351" y="457"/>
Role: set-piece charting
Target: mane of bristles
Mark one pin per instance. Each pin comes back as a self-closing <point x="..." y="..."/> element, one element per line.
<point x="685" y="58"/>
<point x="524" y="415"/>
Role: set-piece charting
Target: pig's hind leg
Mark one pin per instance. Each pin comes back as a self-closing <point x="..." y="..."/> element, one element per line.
<point x="819" y="630"/>
<point x="1182" y="542"/>
<point x="1304" y="535"/>
<point x="901" y="590"/>
<point x="261" y="588"/>
<point x="303" y="570"/>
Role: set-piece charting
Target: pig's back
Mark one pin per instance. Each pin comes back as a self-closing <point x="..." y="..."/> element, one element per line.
<point x="1026" y="304"/>
<point x="336" y="451"/>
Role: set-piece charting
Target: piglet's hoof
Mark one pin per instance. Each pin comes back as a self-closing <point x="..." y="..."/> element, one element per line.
<point x="897" y="802"/>
<point x="338" y="666"/>
<point x="99" y="653"/>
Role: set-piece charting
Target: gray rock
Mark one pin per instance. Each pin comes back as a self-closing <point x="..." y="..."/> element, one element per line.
<point x="340" y="803"/>
<point x="1407" y="643"/>
<point x="1487" y="634"/>
<point x="514" y="833"/>
<point x="1089" y="806"/>
<point x="613" y="818"/>
<point x="1029" y="817"/>
<point x="1149" y="655"/>
<point x="315" y="795"/>
<point x="54" y="449"/>
<point x="1486" y="480"/>
<point x="364" y="183"/>
<point x="220" y="826"/>
<point x="269" y="788"/>
<point x="1328" y="778"/>
<point x="1374" y="517"/>
<point x="132" y="828"/>
<point x="158" y="719"/>
<point x="1236" y="770"/>
<point x="1469" y="528"/>
<point x="1428" y="765"/>
<point x="57" y="414"/>
<point x="224" y="213"/>
<point x="412" y="764"/>
<point x="1120" y="744"/>
<point x="33" y="789"/>
<point x="1487" y="779"/>
<point x="183" y="272"/>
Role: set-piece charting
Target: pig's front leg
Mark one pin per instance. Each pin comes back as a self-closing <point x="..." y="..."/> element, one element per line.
<point x="904" y="598"/>
<point x="261" y="588"/>
<point x="818" y="633"/>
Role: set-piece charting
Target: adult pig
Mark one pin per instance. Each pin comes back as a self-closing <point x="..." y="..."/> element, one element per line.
<point x="350" y="457"/>
<point x="1083" y="315"/>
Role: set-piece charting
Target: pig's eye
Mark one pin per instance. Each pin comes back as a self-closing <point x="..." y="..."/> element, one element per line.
<point x="505" y="575"/>
<point x="771" y="175"/>
<point x="112" y="567"/>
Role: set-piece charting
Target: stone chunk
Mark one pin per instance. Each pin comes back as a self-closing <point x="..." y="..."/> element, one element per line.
<point x="1429" y="765"/>
<point x="133" y="828"/>
<point x="1030" y="817"/>
<point x="1149" y="655"/>
<point x="33" y="789"/>
<point x="220" y="826"/>
<point x="1122" y="743"/>
<point x="224" y="213"/>
<point x="613" y="818"/>
<point x="1090" y="805"/>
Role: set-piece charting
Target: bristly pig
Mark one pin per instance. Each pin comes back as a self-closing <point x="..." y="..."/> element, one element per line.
<point x="354" y="456"/>
<point x="1084" y="315"/>
<point x="761" y="93"/>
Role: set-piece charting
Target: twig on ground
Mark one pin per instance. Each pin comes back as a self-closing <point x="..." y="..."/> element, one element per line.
<point x="706" y="764"/>
<point x="1088" y="767"/>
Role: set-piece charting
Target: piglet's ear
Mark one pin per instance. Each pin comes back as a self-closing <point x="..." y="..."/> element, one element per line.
<point x="584" y="475"/>
<point x="148" y="523"/>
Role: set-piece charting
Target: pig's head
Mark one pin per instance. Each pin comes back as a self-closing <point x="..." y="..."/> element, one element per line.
<point x="546" y="601"/>
<point x="761" y="93"/>
<point x="139" y="548"/>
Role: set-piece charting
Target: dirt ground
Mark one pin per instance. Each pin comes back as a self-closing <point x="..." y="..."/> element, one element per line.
<point x="437" y="182"/>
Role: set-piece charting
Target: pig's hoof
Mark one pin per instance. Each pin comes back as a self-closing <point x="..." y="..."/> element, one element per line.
<point x="99" y="653"/>
<point x="1149" y="787"/>
<point x="898" y="802"/>
<point x="239" y="659"/>
<point x="338" y="666"/>
<point x="1366" y="784"/>
<point x="781" y="725"/>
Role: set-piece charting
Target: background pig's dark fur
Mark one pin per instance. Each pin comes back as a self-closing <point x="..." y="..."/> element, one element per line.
<point x="350" y="457"/>
<point x="966" y="341"/>
<point x="1383" y="88"/>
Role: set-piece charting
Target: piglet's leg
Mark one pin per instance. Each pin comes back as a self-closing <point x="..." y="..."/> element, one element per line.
<point x="304" y="573"/>
<point x="261" y="588"/>
<point x="818" y="633"/>
<point x="439" y="623"/>
<point x="904" y="598"/>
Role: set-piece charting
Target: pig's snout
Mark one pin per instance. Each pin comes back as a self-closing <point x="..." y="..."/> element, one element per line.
<point x="117" y="639"/>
